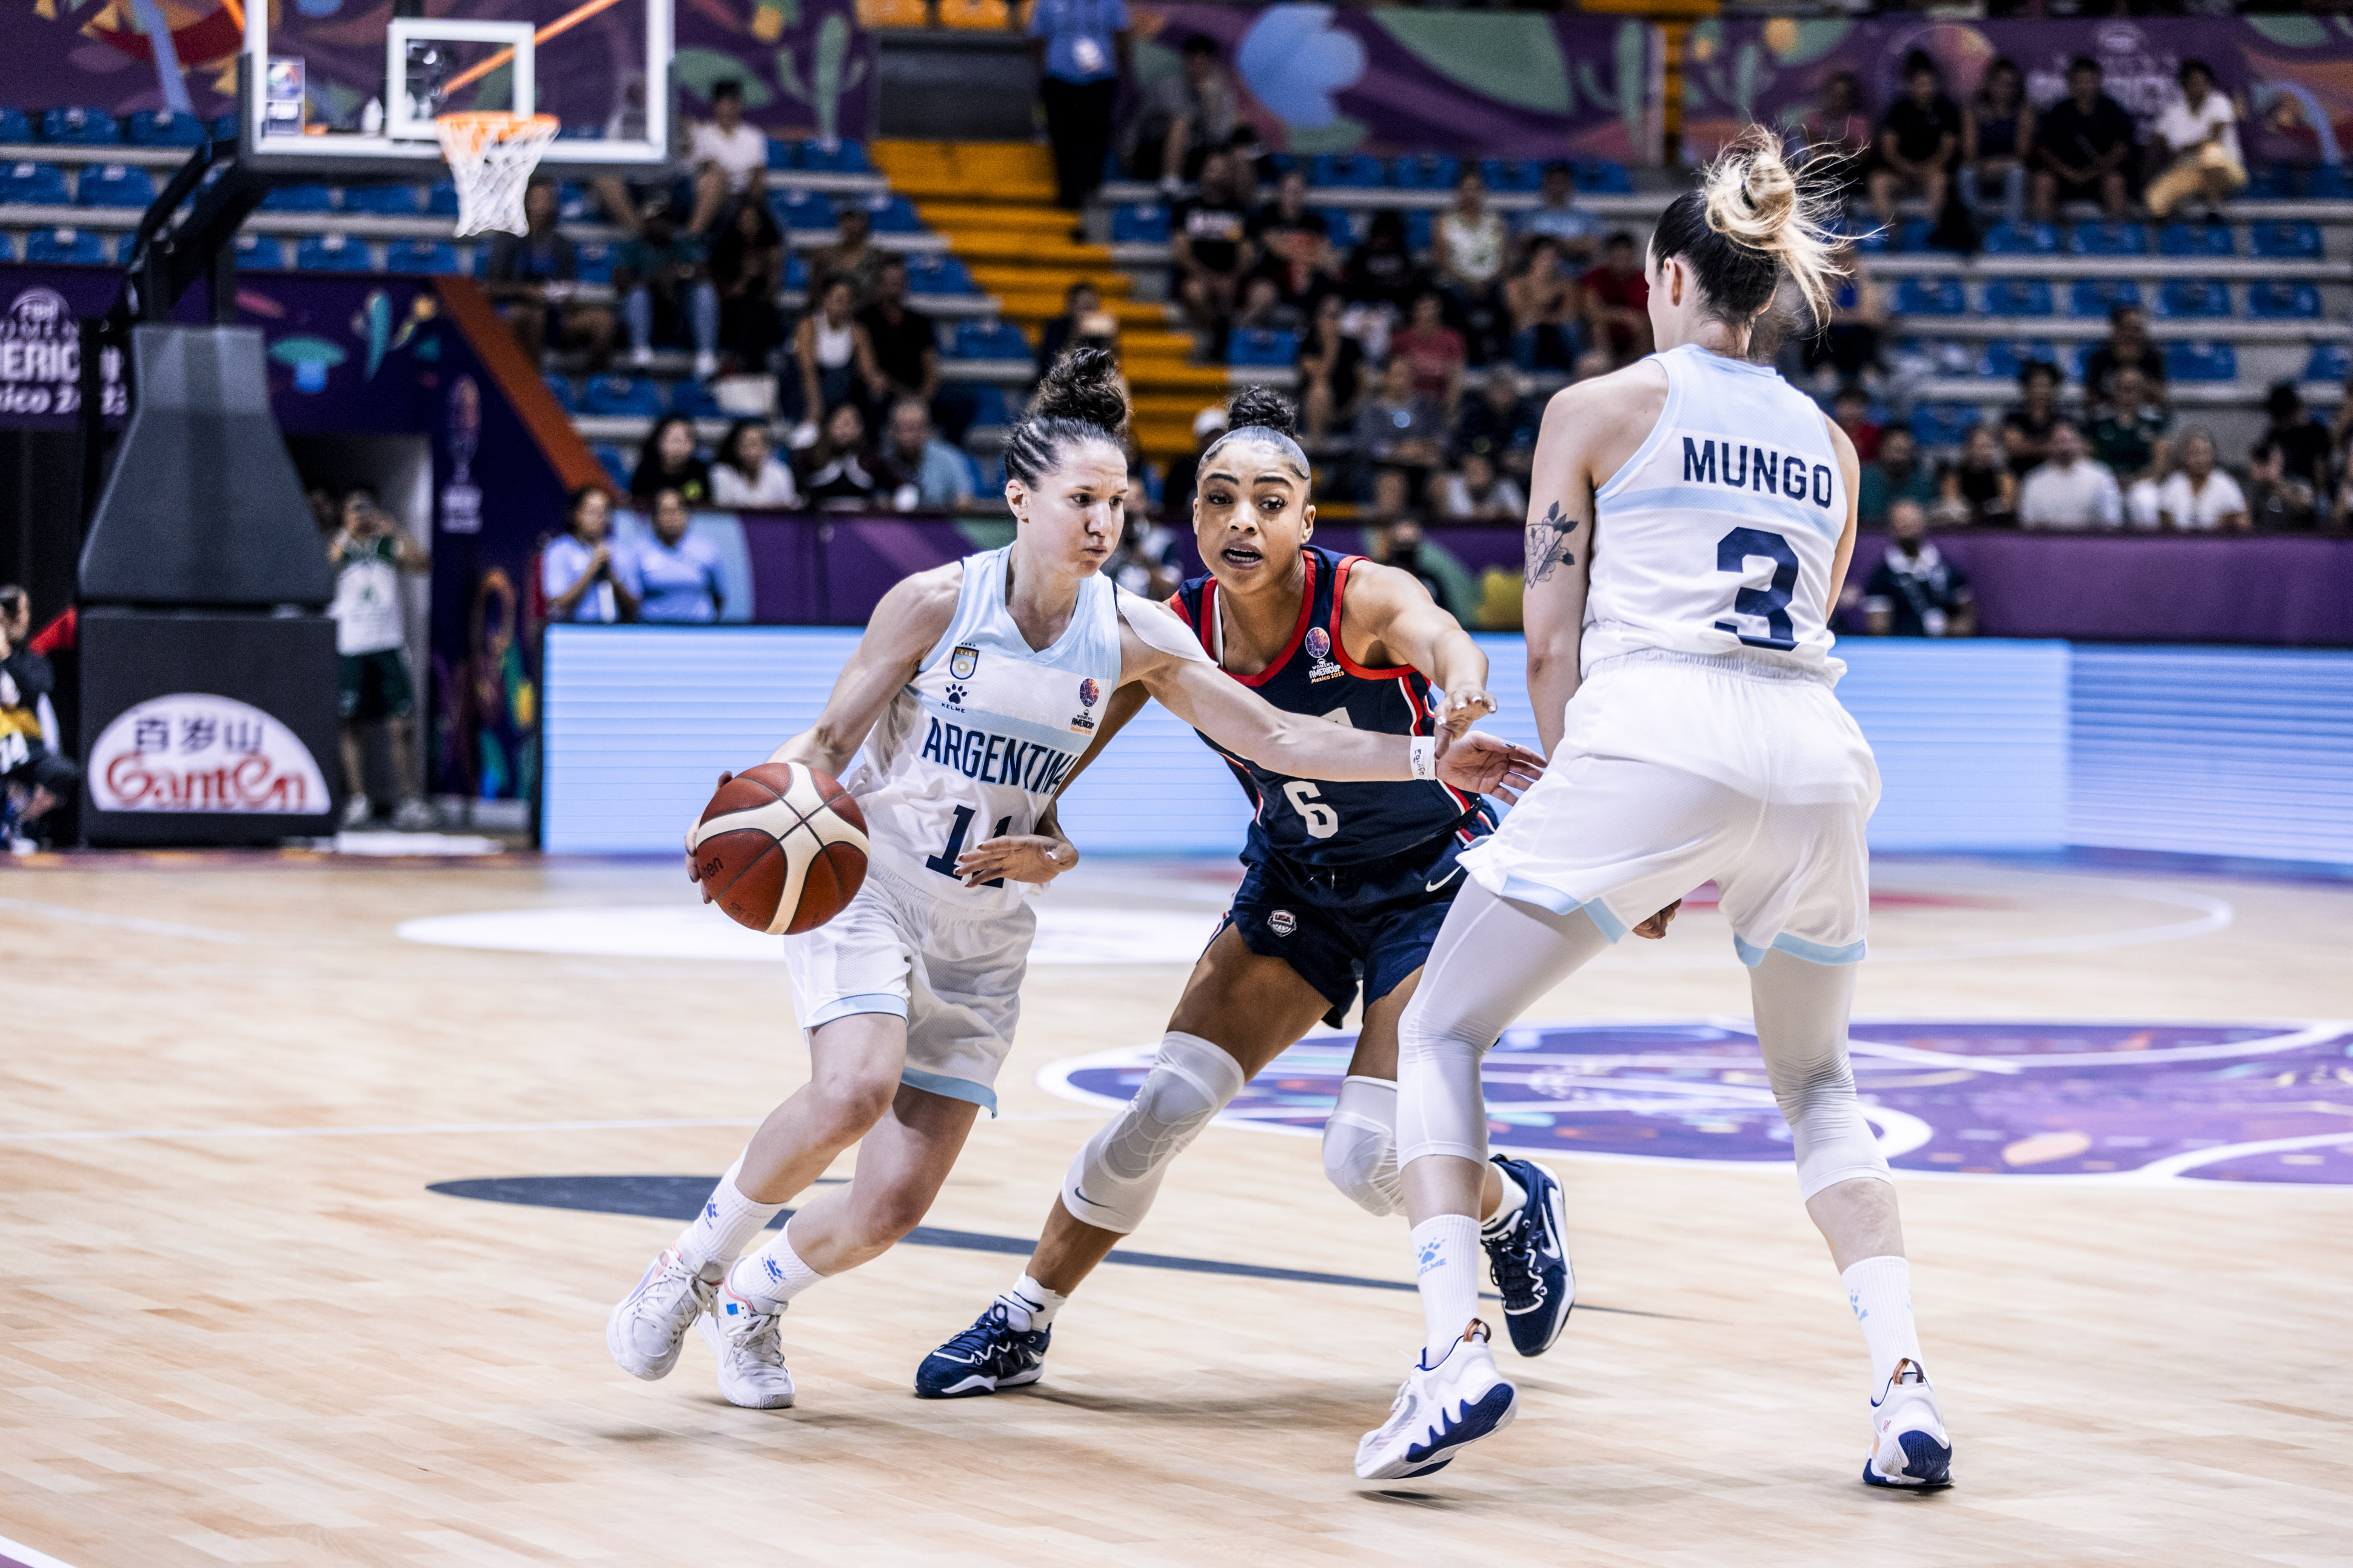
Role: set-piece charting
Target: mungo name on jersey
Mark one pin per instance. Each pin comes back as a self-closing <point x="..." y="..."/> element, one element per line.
<point x="992" y="757"/>
<point x="1741" y="466"/>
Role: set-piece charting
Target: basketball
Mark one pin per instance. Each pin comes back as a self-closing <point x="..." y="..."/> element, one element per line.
<point x="780" y="849"/>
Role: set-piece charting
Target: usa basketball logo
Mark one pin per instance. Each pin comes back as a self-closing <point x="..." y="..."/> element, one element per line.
<point x="1087" y="692"/>
<point x="1319" y="642"/>
<point x="962" y="662"/>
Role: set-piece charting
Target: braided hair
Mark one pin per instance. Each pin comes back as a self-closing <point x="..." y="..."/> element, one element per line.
<point x="1262" y="415"/>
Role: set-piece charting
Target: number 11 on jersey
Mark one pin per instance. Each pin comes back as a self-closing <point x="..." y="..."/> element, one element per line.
<point x="944" y="862"/>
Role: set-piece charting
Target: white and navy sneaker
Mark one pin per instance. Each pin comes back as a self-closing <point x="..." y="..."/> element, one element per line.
<point x="1528" y="1257"/>
<point x="1909" y="1448"/>
<point x="1440" y="1411"/>
<point x="751" y="1361"/>
<point x="648" y="1326"/>
<point x="987" y="1356"/>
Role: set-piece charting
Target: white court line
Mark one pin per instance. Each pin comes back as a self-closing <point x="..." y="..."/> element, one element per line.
<point x="28" y="1558"/>
<point x="124" y="922"/>
<point x="108" y="1136"/>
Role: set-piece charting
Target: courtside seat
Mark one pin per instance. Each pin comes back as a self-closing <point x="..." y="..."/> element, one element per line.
<point x="2022" y="239"/>
<point x="2098" y="296"/>
<point x="628" y="394"/>
<point x="2278" y="300"/>
<point x="935" y="274"/>
<point x="694" y="400"/>
<point x="1426" y="172"/>
<point x="2202" y="360"/>
<point x="305" y="198"/>
<point x="441" y="199"/>
<point x="1930" y="297"/>
<point x="1513" y="174"/>
<point x="842" y="156"/>
<point x="989" y="340"/>
<point x="386" y="201"/>
<point x="2195" y="239"/>
<point x="114" y="185"/>
<point x="332" y="253"/>
<point x="1142" y="222"/>
<point x="2286" y="241"/>
<point x="1943" y="424"/>
<point x="2194" y="296"/>
<point x="76" y="247"/>
<point x="595" y="261"/>
<point x="2329" y="362"/>
<point x="33" y="185"/>
<point x="433" y="257"/>
<point x="259" y="252"/>
<point x="79" y="127"/>
<point x="1356" y="171"/>
<point x="14" y="128"/>
<point x="2108" y="240"/>
<point x="162" y="128"/>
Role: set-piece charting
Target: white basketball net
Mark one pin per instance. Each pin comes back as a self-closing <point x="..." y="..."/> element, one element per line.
<point x="491" y="157"/>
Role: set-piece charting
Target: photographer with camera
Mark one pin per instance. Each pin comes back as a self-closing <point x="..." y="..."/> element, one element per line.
<point x="369" y="552"/>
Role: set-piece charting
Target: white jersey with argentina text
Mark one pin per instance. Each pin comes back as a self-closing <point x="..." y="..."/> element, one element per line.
<point x="1719" y="534"/>
<point x="975" y="745"/>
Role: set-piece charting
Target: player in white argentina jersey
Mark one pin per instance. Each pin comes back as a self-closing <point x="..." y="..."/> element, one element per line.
<point x="1690" y="523"/>
<point x="972" y="695"/>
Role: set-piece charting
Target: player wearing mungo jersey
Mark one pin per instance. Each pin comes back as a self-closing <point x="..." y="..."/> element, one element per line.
<point x="974" y="692"/>
<point x="1689" y="521"/>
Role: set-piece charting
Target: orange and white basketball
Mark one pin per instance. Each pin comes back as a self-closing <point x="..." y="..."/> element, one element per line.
<point x="780" y="849"/>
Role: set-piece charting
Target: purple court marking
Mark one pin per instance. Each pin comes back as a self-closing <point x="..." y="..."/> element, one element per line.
<point x="2104" y="1101"/>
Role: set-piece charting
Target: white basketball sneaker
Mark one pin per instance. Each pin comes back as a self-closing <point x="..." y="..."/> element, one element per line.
<point x="1909" y="1447"/>
<point x="648" y="1326"/>
<point x="1440" y="1411"/>
<point x="751" y="1361"/>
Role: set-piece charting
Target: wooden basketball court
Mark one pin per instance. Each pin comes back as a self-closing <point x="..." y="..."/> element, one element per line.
<point x="242" y="1328"/>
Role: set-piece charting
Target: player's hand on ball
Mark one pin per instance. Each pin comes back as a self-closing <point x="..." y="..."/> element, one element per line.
<point x="1464" y="708"/>
<point x="1482" y="764"/>
<point x="1656" y="926"/>
<point x="693" y="871"/>
<point x="1018" y="857"/>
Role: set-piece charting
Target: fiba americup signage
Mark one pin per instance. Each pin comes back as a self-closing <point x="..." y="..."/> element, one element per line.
<point x="196" y="752"/>
<point x="40" y="358"/>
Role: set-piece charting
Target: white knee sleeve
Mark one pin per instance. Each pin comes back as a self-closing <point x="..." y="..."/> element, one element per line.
<point x="1802" y="1011"/>
<point x="1360" y="1145"/>
<point x="1112" y="1181"/>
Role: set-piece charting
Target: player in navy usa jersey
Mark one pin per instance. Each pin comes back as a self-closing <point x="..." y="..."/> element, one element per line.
<point x="1347" y="886"/>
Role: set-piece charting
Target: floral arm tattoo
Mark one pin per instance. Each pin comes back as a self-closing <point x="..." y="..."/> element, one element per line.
<point x="1548" y="542"/>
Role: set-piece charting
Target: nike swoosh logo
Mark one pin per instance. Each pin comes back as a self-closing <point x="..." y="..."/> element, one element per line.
<point x="1433" y="887"/>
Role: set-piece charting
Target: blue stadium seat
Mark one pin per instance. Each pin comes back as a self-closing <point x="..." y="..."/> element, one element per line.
<point x="796" y="279"/>
<point x="2270" y="182"/>
<point x="1930" y="296"/>
<point x="1945" y="356"/>
<point x="1141" y="223"/>
<point x="990" y="340"/>
<point x="386" y="201"/>
<point x="694" y="399"/>
<point x="1943" y="424"/>
<point x="888" y="213"/>
<point x="114" y="185"/>
<point x="988" y="407"/>
<point x="441" y="199"/>
<point x="796" y="208"/>
<point x="123" y="246"/>
<point x="33" y="185"/>
<point x="933" y="274"/>
<point x="307" y="198"/>
<point x="223" y="128"/>
<point x="79" y="127"/>
<point x="596" y="262"/>
<point x="2271" y="300"/>
<point x="1340" y="225"/>
<point x="2286" y="241"/>
<point x="2098" y="296"/>
<point x="74" y="246"/>
<point x="782" y="152"/>
<point x="2328" y="183"/>
<point x="479" y="265"/>
<point x="1421" y="230"/>
<point x="2195" y="239"/>
<point x="840" y="157"/>
<point x="574" y="204"/>
<point x="162" y="128"/>
<point x="625" y="395"/>
<point x="1260" y="346"/>
<point x="1511" y="173"/>
<point x="14" y="128"/>
<point x="2108" y="240"/>
<point x="2194" y="297"/>
<point x="433" y="257"/>
<point x="8" y="247"/>
<point x="2022" y="239"/>
<point x="259" y="252"/>
<point x="1604" y="176"/>
<point x="1355" y="170"/>
<point x="2329" y="362"/>
<point x="614" y="461"/>
<point x="1426" y="172"/>
<point x="567" y="396"/>
<point x="2202" y="360"/>
<point x="2002" y="358"/>
<point x="1913" y="234"/>
<point x="332" y="253"/>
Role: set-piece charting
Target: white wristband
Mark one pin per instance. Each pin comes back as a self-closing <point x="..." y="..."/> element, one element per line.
<point x="1421" y="751"/>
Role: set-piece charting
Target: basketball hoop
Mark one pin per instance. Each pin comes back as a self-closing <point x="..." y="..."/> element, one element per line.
<point x="491" y="157"/>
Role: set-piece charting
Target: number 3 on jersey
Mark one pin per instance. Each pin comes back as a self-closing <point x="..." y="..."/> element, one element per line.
<point x="1733" y="554"/>
<point x="1323" y="822"/>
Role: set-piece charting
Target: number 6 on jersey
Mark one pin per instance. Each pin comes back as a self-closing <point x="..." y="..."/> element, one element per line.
<point x="1323" y="822"/>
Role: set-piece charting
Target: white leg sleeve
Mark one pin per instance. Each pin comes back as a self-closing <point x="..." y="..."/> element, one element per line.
<point x="1112" y="1182"/>
<point x="1360" y="1145"/>
<point x="1492" y="959"/>
<point x="1802" y="1012"/>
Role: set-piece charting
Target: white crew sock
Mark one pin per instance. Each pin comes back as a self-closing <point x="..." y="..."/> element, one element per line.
<point x="727" y="1224"/>
<point x="1880" y="1292"/>
<point x="1446" y="1265"/>
<point x="1508" y="1206"/>
<point x="1029" y="1306"/>
<point x="775" y="1273"/>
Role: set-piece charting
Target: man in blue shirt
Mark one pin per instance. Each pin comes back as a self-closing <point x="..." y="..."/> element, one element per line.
<point x="1081" y="46"/>
<point x="920" y="470"/>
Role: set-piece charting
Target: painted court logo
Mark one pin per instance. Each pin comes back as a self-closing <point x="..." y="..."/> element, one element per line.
<point x="2107" y="1103"/>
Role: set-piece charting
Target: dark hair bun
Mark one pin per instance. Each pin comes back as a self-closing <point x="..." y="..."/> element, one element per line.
<point x="1083" y="387"/>
<point x="1261" y="407"/>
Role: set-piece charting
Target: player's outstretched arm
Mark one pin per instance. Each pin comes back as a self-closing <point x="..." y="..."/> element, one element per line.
<point x="1403" y="625"/>
<point x="911" y="619"/>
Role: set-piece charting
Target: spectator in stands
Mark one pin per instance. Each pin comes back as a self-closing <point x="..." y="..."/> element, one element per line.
<point x="532" y="280"/>
<point x="2277" y="500"/>
<point x="1849" y="343"/>
<point x="2282" y="135"/>
<point x="837" y="471"/>
<point x="1147" y="561"/>
<point x="1473" y="247"/>
<point x="1917" y="142"/>
<point x="1264" y="308"/>
<point x="1186" y="115"/>
<point x="579" y="574"/>
<point x="664" y="281"/>
<point x="34" y="779"/>
<point x="1501" y="423"/>
<point x="1211" y="231"/>
<point x="1998" y="140"/>
<point x="1293" y="244"/>
<point x="1915" y="592"/>
<point x="2026" y="429"/>
<point x="731" y="158"/>
<point x="2085" y="141"/>
<point x="2305" y="444"/>
<point x="1840" y="130"/>
<point x="747" y="270"/>
<point x="1080" y="300"/>
<point x="1331" y="370"/>
<point x="1617" y="301"/>
<point x="1851" y="409"/>
<point x="2198" y="133"/>
<point x="677" y="573"/>
<point x="668" y="461"/>
<point x="1147" y="481"/>
<point x="1250" y="165"/>
<point x="1896" y="474"/>
<point x="1546" y="309"/>
<point x="1399" y="544"/>
<point x="906" y="345"/>
<point x="1977" y="490"/>
<point x="1433" y="349"/>
<point x="2068" y="489"/>
<point x="917" y="468"/>
<point x="1399" y="425"/>
<point x="1381" y="270"/>
<point x="2128" y="344"/>
<point x="1081" y="48"/>
<point x="1476" y="491"/>
<point x="832" y="352"/>
<point x="2128" y="433"/>
<point x="748" y="472"/>
<point x="852" y="255"/>
<point x="2201" y="496"/>
<point x="1557" y="217"/>
<point x="1185" y="473"/>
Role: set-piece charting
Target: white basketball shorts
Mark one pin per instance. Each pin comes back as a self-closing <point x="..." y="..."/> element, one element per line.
<point x="1674" y="770"/>
<point x="952" y="973"/>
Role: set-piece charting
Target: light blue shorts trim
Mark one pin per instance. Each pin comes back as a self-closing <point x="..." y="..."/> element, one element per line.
<point x="1799" y="947"/>
<point x="1549" y="898"/>
<point x="843" y="1006"/>
<point x="939" y="1083"/>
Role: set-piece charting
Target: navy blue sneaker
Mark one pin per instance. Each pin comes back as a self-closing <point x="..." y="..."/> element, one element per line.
<point x="1528" y="1255"/>
<point x="990" y="1355"/>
